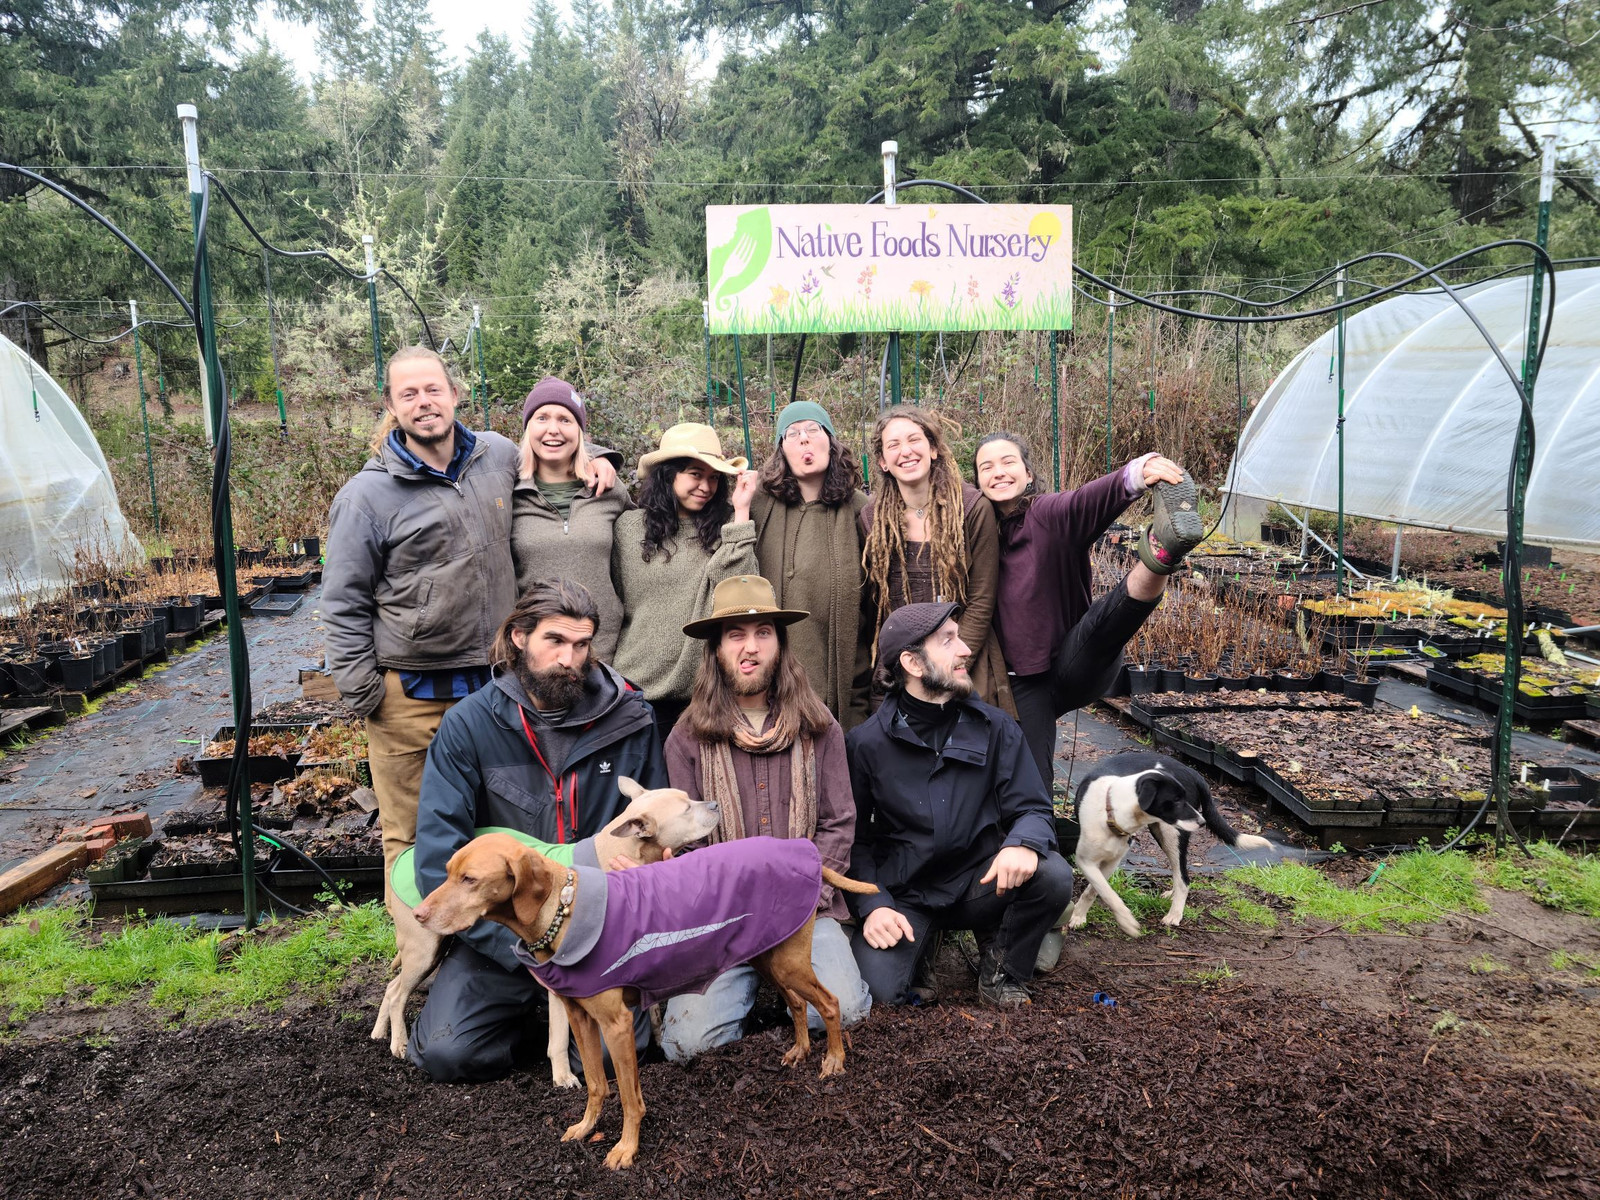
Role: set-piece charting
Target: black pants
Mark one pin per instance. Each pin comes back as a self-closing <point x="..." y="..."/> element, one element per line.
<point x="1016" y="922"/>
<point x="481" y="1020"/>
<point x="1085" y="668"/>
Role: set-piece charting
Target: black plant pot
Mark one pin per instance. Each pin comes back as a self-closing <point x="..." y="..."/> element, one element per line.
<point x="1365" y="691"/>
<point x="312" y="547"/>
<point x="132" y="643"/>
<point x="1283" y="681"/>
<point x="1200" y="683"/>
<point x="1327" y="681"/>
<point x="101" y="668"/>
<point x="1235" y="683"/>
<point x="77" y="672"/>
<point x="1141" y="681"/>
<point x="7" y="683"/>
<point x="1171" y="680"/>
<point x="113" y="655"/>
<point x="30" y="676"/>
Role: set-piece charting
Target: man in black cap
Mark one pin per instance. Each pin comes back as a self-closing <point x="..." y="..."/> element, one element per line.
<point x="953" y="823"/>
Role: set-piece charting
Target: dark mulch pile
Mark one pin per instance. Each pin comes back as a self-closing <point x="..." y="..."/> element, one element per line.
<point x="1179" y="1092"/>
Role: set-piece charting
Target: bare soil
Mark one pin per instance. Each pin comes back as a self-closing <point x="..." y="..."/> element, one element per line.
<point x="1452" y="1062"/>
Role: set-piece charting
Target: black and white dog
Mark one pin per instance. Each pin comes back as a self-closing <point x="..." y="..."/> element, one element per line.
<point x="1129" y="792"/>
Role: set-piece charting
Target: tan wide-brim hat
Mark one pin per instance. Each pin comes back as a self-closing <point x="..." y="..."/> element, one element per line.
<point x="738" y="598"/>
<point x="696" y="441"/>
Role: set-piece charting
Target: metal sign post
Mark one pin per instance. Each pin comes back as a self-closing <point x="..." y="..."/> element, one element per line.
<point x="477" y="353"/>
<point x="372" y="306"/>
<point x="144" y="413"/>
<point x="891" y="151"/>
<point x="1338" y="562"/>
<point x="222" y="511"/>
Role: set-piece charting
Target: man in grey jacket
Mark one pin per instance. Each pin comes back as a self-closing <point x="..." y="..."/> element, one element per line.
<point x="418" y="576"/>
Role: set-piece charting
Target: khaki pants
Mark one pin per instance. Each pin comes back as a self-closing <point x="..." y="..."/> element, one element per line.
<point x="398" y="734"/>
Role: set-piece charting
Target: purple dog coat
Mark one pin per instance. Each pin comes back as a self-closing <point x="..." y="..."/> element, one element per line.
<point x="673" y="927"/>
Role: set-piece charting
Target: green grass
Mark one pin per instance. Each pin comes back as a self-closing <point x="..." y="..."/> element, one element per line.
<point x="1211" y="976"/>
<point x="1237" y="905"/>
<point x="1554" y="877"/>
<point x="1147" y="906"/>
<point x="1041" y="312"/>
<point x="1411" y="888"/>
<point x="47" y="953"/>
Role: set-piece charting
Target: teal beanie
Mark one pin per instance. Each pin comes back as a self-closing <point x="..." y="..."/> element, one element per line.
<point x="804" y="410"/>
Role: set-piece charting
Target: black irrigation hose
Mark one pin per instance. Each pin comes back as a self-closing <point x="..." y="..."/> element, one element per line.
<point x="110" y="341"/>
<point x="106" y="221"/>
<point x="324" y="254"/>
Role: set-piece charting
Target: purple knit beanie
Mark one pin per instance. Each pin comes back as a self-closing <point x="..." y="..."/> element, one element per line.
<point x="551" y="390"/>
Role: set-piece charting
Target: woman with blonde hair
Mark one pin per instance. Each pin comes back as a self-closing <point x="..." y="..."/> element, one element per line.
<point x="930" y="536"/>
<point x="562" y="522"/>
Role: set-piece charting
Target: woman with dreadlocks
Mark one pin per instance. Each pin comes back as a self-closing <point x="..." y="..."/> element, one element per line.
<point x="1063" y="651"/>
<point x="930" y="536"/>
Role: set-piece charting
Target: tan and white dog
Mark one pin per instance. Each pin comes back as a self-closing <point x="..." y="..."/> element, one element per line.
<point x="654" y="824"/>
<point x="1129" y="792"/>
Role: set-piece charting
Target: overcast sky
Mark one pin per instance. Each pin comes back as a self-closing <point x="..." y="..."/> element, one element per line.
<point x="459" y="23"/>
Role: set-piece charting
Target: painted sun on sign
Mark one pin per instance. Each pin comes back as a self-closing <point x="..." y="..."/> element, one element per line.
<point x="836" y="268"/>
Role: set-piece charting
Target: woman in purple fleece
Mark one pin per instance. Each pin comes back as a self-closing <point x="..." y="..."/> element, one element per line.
<point x="1061" y="650"/>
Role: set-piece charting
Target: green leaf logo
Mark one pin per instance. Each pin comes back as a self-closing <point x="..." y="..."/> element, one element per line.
<point x="737" y="263"/>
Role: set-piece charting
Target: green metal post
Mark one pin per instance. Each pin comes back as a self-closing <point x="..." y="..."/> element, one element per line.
<point x="372" y="306"/>
<point x="1519" y="492"/>
<point x="744" y="411"/>
<point x="161" y="376"/>
<point x="272" y="341"/>
<point x="1338" y="566"/>
<point x="1111" y="329"/>
<point x="894" y="368"/>
<point x="711" y="395"/>
<point x="1055" y="415"/>
<point x="477" y="353"/>
<point x="772" y="385"/>
<point x="144" y="414"/>
<point x="227" y="578"/>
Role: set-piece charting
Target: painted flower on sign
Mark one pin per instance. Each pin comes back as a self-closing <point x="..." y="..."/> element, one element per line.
<point x="972" y="288"/>
<point x="864" y="281"/>
<point x="810" y="286"/>
<point x="780" y="296"/>
<point x="1008" y="292"/>
<point x="921" y="289"/>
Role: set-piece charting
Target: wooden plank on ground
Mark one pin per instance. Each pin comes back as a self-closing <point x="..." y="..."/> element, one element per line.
<point x="1415" y="672"/>
<point x="39" y="874"/>
<point x="15" y="718"/>
<point x="1585" y="733"/>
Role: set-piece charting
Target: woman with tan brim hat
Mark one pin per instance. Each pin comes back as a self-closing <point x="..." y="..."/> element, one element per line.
<point x="691" y="530"/>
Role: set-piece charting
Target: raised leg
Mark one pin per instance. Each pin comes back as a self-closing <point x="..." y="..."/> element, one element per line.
<point x="594" y="1070"/>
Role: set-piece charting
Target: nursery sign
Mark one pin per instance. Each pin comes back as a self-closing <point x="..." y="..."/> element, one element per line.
<point x="837" y="268"/>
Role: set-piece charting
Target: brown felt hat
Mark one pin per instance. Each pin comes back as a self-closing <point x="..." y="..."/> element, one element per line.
<point x="738" y="598"/>
<point x="692" y="440"/>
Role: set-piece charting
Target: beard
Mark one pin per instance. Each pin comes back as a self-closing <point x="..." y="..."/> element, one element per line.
<point x="936" y="681"/>
<point x="554" y="687"/>
<point x="417" y="438"/>
<point x="746" y="685"/>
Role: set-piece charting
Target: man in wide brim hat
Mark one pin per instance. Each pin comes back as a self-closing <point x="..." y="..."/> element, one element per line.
<point x="742" y="598"/>
<point x="760" y="742"/>
<point x="691" y="439"/>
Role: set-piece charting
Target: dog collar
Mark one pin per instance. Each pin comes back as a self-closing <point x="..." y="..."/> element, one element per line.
<point x="563" y="911"/>
<point x="1111" y="821"/>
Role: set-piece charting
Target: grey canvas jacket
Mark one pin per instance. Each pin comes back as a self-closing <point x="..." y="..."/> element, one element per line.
<point x="546" y="545"/>
<point x="419" y="572"/>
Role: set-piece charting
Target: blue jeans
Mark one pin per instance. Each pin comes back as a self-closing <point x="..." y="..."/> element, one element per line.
<point x="693" y="1024"/>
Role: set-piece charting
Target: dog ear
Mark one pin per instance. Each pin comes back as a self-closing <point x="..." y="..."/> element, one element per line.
<point x="642" y="827"/>
<point x="529" y="887"/>
<point x="629" y="787"/>
<point x="1148" y="788"/>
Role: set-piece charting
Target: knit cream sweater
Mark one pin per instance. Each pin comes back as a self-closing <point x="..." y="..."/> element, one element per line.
<point x="663" y="595"/>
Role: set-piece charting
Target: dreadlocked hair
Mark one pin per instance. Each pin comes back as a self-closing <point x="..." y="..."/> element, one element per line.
<point x="660" y="505"/>
<point x="945" y="517"/>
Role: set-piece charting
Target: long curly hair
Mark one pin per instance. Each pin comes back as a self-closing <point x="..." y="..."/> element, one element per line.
<point x="839" y="482"/>
<point x="947" y="533"/>
<point x="660" y="505"/>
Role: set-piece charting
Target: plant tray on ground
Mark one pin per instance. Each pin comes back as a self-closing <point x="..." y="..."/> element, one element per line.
<point x="274" y="751"/>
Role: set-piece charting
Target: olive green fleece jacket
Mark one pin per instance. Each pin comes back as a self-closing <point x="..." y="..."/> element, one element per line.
<point x="546" y="545"/>
<point x="663" y="595"/>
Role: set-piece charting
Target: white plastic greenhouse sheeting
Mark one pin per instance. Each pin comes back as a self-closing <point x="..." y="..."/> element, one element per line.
<point x="1430" y="416"/>
<point x="56" y="493"/>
